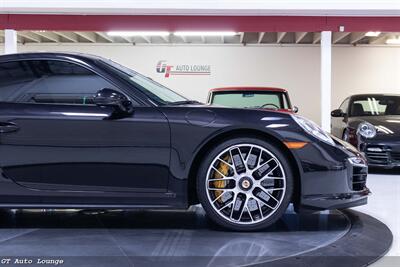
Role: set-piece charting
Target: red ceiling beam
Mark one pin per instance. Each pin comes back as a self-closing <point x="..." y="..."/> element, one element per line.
<point x="217" y="23"/>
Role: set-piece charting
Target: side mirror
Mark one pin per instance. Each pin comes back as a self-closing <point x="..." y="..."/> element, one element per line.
<point x="111" y="98"/>
<point x="337" y="113"/>
<point x="295" y="109"/>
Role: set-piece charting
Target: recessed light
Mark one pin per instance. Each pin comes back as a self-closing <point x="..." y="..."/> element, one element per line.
<point x="195" y="33"/>
<point x="393" y="40"/>
<point x="136" y="33"/>
<point x="372" y="34"/>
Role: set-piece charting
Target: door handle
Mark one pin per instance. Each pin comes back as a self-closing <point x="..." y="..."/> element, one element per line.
<point x="8" y="127"/>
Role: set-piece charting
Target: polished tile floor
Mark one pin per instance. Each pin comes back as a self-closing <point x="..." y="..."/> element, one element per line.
<point x="119" y="235"/>
<point x="144" y="237"/>
<point x="384" y="204"/>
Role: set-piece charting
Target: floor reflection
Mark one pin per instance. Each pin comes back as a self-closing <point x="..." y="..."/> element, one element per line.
<point x="158" y="234"/>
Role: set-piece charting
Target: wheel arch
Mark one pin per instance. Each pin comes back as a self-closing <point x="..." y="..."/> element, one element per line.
<point x="201" y="153"/>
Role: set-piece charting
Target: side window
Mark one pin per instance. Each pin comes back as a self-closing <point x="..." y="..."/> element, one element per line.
<point x="49" y="81"/>
<point x="345" y="105"/>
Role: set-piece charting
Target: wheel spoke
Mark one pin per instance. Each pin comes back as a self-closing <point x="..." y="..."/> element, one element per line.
<point x="248" y="154"/>
<point x="265" y="169"/>
<point x="235" y="198"/>
<point x="273" y="189"/>
<point x="270" y="196"/>
<point x="220" y="173"/>
<point x="265" y="203"/>
<point x="238" y="161"/>
<point x="219" y="189"/>
<point x="259" y="207"/>
<point x="226" y="205"/>
<point x="243" y="207"/>
<point x="253" y="159"/>
<point x="223" y="161"/>
<point x="252" y="181"/>
<point x="259" y="159"/>
<point x="272" y="178"/>
<point x="216" y="199"/>
<point x="251" y="217"/>
<point x="273" y="169"/>
<point x="221" y="179"/>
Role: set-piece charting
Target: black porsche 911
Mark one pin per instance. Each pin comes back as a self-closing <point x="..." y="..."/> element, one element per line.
<point x="371" y="122"/>
<point x="80" y="131"/>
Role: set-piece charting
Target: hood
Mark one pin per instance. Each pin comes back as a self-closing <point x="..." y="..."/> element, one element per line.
<point x="386" y="125"/>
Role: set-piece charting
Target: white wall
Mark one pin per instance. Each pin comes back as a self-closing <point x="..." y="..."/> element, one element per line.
<point x="355" y="69"/>
<point x="364" y="69"/>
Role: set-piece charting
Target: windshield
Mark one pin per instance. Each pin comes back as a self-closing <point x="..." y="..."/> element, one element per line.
<point x="155" y="91"/>
<point x="249" y="99"/>
<point x="375" y="106"/>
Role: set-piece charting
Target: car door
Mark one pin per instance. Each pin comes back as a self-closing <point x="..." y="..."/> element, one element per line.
<point x="340" y="123"/>
<point x="52" y="136"/>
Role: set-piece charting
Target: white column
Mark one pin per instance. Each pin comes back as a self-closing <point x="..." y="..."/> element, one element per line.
<point x="326" y="79"/>
<point x="10" y="41"/>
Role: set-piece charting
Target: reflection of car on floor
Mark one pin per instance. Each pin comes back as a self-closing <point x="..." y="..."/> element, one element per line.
<point x="371" y="122"/>
<point x="252" y="97"/>
<point x="80" y="131"/>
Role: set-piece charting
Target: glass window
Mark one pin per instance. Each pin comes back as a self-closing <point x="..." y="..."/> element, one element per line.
<point x="375" y="105"/>
<point x="49" y="81"/>
<point x="273" y="100"/>
<point x="345" y="105"/>
<point x="155" y="91"/>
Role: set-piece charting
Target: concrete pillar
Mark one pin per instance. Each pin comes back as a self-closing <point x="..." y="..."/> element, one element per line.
<point x="326" y="79"/>
<point x="10" y="41"/>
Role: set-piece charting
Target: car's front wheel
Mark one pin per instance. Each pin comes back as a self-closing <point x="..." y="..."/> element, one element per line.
<point x="245" y="184"/>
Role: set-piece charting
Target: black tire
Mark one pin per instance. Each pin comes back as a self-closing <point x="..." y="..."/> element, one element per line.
<point x="202" y="191"/>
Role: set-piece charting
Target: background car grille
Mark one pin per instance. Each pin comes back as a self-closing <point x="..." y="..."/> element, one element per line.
<point x="382" y="157"/>
<point x="385" y="156"/>
<point x="359" y="178"/>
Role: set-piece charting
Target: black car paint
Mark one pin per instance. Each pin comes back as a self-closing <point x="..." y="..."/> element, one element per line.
<point x="76" y="156"/>
<point x="388" y="140"/>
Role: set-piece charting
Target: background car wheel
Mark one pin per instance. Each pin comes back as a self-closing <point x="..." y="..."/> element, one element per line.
<point x="245" y="184"/>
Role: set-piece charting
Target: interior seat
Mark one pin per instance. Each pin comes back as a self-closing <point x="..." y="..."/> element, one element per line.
<point x="357" y="109"/>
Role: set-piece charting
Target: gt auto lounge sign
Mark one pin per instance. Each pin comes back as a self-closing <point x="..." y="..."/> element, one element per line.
<point x="182" y="69"/>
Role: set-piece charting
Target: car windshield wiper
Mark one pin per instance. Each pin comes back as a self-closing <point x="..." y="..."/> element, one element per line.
<point x="185" y="102"/>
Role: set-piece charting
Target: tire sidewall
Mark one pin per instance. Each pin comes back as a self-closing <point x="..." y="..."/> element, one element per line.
<point x="202" y="176"/>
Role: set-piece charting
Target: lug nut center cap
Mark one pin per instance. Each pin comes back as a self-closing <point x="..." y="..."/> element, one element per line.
<point x="245" y="183"/>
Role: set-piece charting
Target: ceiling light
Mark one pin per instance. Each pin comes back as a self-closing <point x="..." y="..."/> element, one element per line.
<point x="393" y="40"/>
<point x="372" y="34"/>
<point x="150" y="33"/>
<point x="205" y="33"/>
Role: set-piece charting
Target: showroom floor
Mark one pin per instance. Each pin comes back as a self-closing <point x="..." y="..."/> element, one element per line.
<point x="119" y="236"/>
<point x="384" y="205"/>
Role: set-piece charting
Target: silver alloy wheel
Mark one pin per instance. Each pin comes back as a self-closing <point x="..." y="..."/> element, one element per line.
<point x="245" y="184"/>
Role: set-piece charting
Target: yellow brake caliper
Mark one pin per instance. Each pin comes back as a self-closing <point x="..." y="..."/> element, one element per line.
<point x="223" y="169"/>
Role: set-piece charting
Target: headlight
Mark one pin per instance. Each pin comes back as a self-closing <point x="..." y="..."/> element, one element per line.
<point x="366" y="130"/>
<point x="313" y="129"/>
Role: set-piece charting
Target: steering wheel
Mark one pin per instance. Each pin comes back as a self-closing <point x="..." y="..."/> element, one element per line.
<point x="270" y="104"/>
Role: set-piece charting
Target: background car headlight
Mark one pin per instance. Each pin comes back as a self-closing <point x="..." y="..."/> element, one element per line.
<point x="366" y="130"/>
<point x="313" y="129"/>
